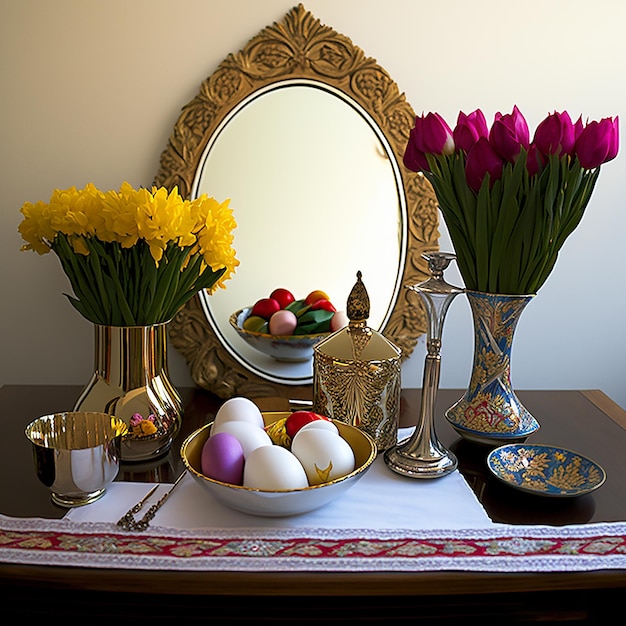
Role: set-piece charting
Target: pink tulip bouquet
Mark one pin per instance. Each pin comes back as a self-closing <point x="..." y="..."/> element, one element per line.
<point x="510" y="203"/>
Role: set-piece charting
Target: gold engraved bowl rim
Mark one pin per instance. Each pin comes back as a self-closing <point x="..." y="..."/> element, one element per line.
<point x="280" y="503"/>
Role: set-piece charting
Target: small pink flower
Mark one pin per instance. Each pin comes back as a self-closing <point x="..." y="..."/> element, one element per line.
<point x="136" y="419"/>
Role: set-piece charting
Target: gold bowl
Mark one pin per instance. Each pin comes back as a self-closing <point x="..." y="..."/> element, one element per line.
<point x="76" y="454"/>
<point x="279" y="347"/>
<point x="279" y="503"/>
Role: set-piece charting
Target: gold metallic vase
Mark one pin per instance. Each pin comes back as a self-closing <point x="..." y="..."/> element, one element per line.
<point x="131" y="381"/>
<point x="356" y="375"/>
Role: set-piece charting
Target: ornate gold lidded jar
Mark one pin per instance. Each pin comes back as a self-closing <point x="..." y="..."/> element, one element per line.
<point x="356" y="374"/>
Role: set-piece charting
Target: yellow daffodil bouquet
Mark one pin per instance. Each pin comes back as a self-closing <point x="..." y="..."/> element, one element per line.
<point x="133" y="257"/>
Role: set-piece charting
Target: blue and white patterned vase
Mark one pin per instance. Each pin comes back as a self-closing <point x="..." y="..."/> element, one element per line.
<point x="490" y="412"/>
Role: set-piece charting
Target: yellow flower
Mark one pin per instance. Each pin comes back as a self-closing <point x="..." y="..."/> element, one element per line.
<point x="35" y="228"/>
<point x="144" y="429"/>
<point x="133" y="256"/>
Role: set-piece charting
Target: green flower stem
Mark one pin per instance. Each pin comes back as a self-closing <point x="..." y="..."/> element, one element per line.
<point x="77" y="268"/>
<point x="123" y="314"/>
<point x="507" y="236"/>
<point x="125" y="287"/>
<point x="167" y="283"/>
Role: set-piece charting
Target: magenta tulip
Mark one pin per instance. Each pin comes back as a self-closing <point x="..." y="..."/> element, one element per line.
<point x="555" y="134"/>
<point x="482" y="159"/>
<point x="535" y="161"/>
<point x="508" y="134"/>
<point x="598" y="142"/>
<point x="414" y="159"/>
<point x="578" y="129"/>
<point x="469" y="128"/>
<point x="430" y="135"/>
<point x="436" y="136"/>
<point x="614" y="149"/>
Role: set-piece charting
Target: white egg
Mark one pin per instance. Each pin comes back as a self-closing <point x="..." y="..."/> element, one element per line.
<point x="249" y="436"/>
<point x="273" y="468"/>
<point x="239" y="409"/>
<point x="323" y="454"/>
<point x="323" y="424"/>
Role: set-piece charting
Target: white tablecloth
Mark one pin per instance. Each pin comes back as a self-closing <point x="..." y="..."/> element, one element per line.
<point x="385" y="522"/>
<point x="381" y="499"/>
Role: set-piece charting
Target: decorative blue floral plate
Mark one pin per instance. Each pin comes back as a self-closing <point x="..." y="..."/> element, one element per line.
<point x="545" y="470"/>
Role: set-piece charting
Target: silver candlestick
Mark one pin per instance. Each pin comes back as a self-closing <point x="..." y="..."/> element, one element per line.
<point x="422" y="455"/>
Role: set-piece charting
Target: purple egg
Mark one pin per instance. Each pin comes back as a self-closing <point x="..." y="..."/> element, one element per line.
<point x="222" y="458"/>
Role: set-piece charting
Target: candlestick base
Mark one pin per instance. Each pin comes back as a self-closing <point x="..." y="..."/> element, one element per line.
<point x="403" y="461"/>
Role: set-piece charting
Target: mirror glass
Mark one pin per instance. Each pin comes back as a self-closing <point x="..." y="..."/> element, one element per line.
<point x="305" y="135"/>
<point x="316" y="192"/>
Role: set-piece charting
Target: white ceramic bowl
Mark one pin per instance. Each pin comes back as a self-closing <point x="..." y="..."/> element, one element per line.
<point x="280" y="347"/>
<point x="279" y="503"/>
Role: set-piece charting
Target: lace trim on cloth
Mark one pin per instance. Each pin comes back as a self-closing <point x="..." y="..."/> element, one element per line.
<point x="496" y="549"/>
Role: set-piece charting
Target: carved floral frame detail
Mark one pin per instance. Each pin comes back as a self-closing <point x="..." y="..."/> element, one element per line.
<point x="299" y="46"/>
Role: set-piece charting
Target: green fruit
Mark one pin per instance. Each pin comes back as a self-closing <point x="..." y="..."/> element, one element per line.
<point x="255" y="324"/>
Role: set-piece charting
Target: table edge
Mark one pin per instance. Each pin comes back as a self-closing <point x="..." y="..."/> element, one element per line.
<point x="605" y="404"/>
<point x="306" y="583"/>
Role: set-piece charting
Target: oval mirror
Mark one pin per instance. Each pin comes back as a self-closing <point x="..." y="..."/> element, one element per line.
<point x="304" y="135"/>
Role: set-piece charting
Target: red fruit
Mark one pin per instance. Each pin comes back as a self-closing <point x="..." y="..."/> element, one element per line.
<point x="284" y="297"/>
<point x="326" y="305"/>
<point x="316" y="295"/>
<point x="299" y="418"/>
<point x="265" y="308"/>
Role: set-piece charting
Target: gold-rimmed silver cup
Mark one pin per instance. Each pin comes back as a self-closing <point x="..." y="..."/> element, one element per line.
<point x="76" y="454"/>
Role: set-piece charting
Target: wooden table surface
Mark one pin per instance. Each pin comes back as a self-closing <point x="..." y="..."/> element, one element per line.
<point x="585" y="421"/>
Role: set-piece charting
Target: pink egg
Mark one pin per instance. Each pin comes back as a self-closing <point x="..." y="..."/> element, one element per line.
<point x="338" y="320"/>
<point x="222" y="458"/>
<point x="283" y="322"/>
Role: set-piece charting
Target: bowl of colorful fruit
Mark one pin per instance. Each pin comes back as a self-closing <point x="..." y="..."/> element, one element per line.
<point x="286" y="328"/>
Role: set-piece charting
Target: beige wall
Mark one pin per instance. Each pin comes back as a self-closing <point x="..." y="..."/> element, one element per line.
<point x="92" y="88"/>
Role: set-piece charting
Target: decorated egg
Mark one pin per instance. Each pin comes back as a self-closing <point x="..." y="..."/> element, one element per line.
<point x="297" y="419"/>
<point x="323" y="454"/>
<point x="339" y="320"/>
<point x="248" y="435"/>
<point x="239" y="409"/>
<point x="265" y="307"/>
<point x="255" y="324"/>
<point x="222" y="459"/>
<point x="284" y="297"/>
<point x="273" y="468"/>
<point x="316" y="295"/>
<point x="283" y="322"/>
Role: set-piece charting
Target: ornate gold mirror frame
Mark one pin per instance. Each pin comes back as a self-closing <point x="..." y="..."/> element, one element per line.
<point x="298" y="47"/>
